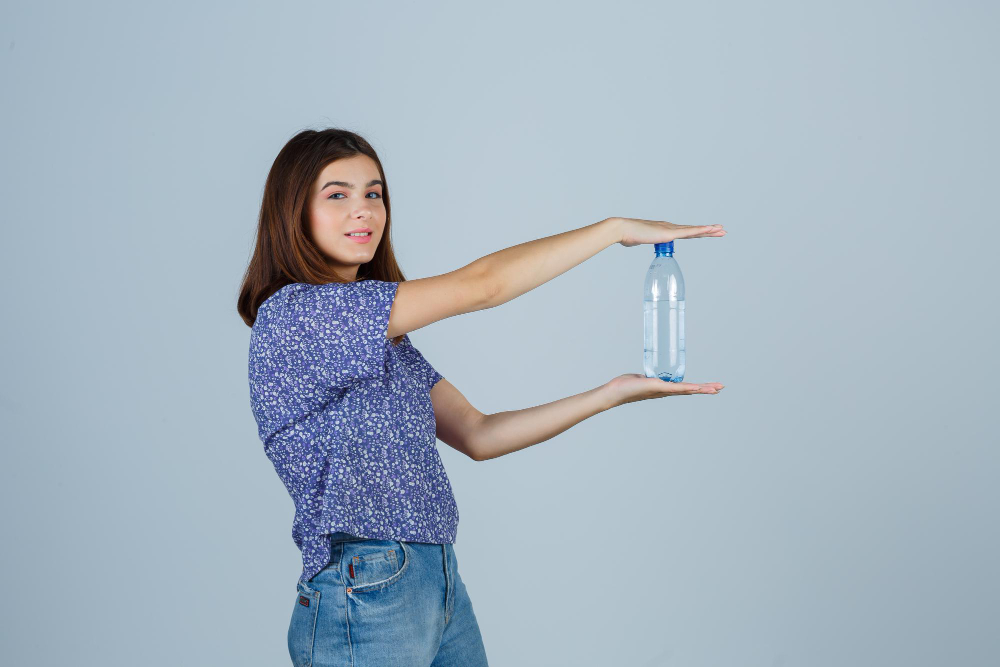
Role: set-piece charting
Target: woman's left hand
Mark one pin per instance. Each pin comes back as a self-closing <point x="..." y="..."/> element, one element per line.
<point x="637" y="387"/>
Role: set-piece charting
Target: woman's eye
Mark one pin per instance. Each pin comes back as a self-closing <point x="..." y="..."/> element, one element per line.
<point x="377" y="195"/>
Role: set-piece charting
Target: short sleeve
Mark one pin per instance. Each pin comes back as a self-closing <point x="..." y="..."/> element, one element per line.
<point x="337" y="331"/>
<point x="419" y="365"/>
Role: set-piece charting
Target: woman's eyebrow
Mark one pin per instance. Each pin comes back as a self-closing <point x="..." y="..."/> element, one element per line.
<point x="351" y="185"/>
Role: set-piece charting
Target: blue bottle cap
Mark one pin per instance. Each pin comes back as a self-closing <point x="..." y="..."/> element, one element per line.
<point x="664" y="247"/>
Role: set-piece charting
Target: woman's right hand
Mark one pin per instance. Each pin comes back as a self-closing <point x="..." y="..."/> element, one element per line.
<point x="635" y="231"/>
<point x="637" y="387"/>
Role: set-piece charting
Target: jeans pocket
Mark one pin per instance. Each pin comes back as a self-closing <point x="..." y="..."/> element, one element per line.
<point x="302" y="628"/>
<point x="375" y="564"/>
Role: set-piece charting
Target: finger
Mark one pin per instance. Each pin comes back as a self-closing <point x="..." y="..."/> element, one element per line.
<point x="704" y="230"/>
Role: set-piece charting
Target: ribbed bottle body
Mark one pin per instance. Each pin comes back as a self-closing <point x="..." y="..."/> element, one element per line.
<point x="663" y="354"/>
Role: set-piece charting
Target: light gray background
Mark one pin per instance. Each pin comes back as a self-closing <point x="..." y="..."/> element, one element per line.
<point x="835" y="505"/>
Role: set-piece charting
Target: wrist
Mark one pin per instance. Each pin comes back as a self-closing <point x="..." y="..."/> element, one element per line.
<point x="606" y="397"/>
<point x="613" y="230"/>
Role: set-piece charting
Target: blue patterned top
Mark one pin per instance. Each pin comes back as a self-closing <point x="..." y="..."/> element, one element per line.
<point x="346" y="418"/>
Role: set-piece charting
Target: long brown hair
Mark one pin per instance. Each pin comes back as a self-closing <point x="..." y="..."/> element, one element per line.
<point x="285" y="252"/>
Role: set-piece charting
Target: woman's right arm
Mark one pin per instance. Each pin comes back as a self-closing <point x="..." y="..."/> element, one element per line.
<point x="503" y="275"/>
<point x="513" y="271"/>
<point x="498" y="277"/>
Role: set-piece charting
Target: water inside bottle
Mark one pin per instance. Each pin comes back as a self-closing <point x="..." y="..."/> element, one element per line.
<point x="663" y="339"/>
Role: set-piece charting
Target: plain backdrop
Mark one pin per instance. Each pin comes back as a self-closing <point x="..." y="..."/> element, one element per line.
<point x="835" y="505"/>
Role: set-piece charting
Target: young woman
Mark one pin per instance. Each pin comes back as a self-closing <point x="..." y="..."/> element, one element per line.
<point x="349" y="410"/>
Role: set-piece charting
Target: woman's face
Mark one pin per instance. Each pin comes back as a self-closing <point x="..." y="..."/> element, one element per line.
<point x="347" y="196"/>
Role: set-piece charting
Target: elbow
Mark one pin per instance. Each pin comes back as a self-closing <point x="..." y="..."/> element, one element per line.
<point x="474" y="447"/>
<point x="488" y="289"/>
<point x="478" y="453"/>
<point x="473" y="452"/>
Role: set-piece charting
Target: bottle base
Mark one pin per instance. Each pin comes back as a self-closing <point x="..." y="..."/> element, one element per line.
<point x="667" y="377"/>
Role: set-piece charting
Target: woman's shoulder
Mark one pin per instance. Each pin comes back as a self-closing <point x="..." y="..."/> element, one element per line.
<point x="281" y="293"/>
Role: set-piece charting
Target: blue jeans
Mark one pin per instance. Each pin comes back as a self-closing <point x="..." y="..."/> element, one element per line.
<point x="385" y="603"/>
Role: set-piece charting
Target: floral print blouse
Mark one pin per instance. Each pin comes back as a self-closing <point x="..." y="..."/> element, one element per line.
<point x="345" y="417"/>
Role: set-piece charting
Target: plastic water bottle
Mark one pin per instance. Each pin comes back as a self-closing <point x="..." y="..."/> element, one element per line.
<point x="663" y="317"/>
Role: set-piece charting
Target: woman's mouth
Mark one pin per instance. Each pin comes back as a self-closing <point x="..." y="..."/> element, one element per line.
<point x="359" y="237"/>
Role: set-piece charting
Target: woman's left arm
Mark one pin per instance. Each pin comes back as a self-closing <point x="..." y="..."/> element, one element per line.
<point x="483" y="437"/>
<point x="505" y="432"/>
